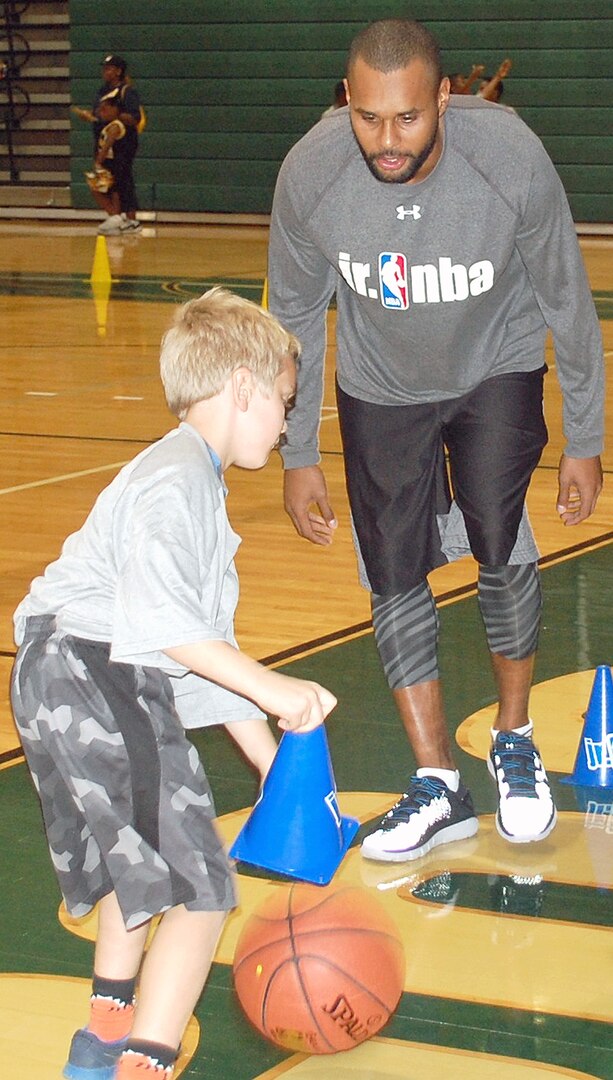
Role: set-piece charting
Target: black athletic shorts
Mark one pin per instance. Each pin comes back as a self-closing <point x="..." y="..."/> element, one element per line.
<point x="398" y="478"/>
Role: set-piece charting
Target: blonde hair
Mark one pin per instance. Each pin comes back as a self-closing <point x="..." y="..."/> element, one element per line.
<point x="213" y="336"/>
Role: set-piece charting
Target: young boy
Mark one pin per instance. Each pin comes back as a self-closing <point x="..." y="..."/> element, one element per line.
<point x="111" y="163"/>
<point x="140" y="601"/>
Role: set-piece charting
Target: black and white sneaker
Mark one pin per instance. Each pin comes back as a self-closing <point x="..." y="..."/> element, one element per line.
<point x="428" y="814"/>
<point x="526" y="810"/>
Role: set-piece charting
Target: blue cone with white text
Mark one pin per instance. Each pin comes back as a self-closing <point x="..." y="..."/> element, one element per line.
<point x="594" y="761"/>
<point x="296" y="827"/>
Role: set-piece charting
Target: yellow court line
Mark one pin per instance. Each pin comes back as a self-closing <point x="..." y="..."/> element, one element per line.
<point x="65" y="476"/>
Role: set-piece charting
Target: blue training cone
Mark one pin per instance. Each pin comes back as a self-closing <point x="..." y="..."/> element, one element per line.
<point x="296" y="827"/>
<point x="594" y="761"/>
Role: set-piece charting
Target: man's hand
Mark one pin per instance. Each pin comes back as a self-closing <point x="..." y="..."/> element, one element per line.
<point x="304" y="489"/>
<point x="580" y="484"/>
<point x="83" y="114"/>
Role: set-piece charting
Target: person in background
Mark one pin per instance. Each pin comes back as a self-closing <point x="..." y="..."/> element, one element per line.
<point x="117" y="84"/>
<point x="340" y="99"/>
<point x="105" y="179"/>
<point x="463" y="84"/>
<point x="492" y="86"/>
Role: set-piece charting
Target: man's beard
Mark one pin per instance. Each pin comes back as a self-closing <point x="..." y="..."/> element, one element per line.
<point x="413" y="165"/>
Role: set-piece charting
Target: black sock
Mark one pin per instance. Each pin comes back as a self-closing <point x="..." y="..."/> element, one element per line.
<point x="121" y="990"/>
<point x="165" y="1055"/>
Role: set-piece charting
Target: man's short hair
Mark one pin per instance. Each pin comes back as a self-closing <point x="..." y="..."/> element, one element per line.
<point x="391" y="44"/>
<point x="210" y="338"/>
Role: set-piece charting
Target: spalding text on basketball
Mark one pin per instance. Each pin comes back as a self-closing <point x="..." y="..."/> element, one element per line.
<point x="344" y="1015"/>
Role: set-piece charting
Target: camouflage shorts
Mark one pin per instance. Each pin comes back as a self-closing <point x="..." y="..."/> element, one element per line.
<point x="126" y="803"/>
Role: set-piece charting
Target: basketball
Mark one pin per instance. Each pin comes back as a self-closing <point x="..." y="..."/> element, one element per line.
<point x="319" y="970"/>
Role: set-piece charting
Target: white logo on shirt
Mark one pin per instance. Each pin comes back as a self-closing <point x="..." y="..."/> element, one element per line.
<point x="397" y="284"/>
<point x="403" y="212"/>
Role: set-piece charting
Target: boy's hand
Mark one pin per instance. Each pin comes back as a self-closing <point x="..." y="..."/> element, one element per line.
<point x="301" y="705"/>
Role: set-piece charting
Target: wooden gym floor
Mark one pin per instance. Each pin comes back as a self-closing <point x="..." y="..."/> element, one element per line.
<point x="508" y="951"/>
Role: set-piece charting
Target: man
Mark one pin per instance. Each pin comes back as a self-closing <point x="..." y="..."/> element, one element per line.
<point x="117" y="87"/>
<point x="445" y="233"/>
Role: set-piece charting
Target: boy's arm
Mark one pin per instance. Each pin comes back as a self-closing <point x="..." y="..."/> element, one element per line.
<point x="301" y="705"/>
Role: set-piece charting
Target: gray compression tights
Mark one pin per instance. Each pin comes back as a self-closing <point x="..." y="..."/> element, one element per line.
<point x="406" y="625"/>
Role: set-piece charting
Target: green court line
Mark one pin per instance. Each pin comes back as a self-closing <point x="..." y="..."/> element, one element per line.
<point x="152" y="289"/>
<point x="157" y="289"/>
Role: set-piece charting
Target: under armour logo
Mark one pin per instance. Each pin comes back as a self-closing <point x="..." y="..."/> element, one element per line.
<point x="403" y="212"/>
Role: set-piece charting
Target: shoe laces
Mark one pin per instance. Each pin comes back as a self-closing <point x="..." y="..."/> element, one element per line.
<point x="422" y="790"/>
<point x="518" y="759"/>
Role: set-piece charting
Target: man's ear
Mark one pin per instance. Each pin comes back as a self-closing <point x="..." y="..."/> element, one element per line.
<point x="347" y="91"/>
<point x="242" y="387"/>
<point x="444" y="91"/>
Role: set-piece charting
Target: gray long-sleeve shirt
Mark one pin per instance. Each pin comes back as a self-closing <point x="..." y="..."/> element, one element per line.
<point x="439" y="284"/>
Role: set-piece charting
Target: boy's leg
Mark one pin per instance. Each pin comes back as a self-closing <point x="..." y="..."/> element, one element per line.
<point x="256" y="741"/>
<point x="119" y="952"/>
<point x="108" y="202"/>
<point x="174" y="972"/>
<point x="173" y="975"/>
<point x="95" y="1050"/>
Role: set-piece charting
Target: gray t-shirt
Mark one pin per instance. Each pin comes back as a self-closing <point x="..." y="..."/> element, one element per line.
<point x="151" y="568"/>
<point x="440" y="284"/>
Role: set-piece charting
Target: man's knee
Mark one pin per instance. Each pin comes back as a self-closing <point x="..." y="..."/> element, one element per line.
<point x="510" y="601"/>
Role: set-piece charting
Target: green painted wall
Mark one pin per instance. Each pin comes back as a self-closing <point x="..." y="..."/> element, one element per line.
<point x="230" y="87"/>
